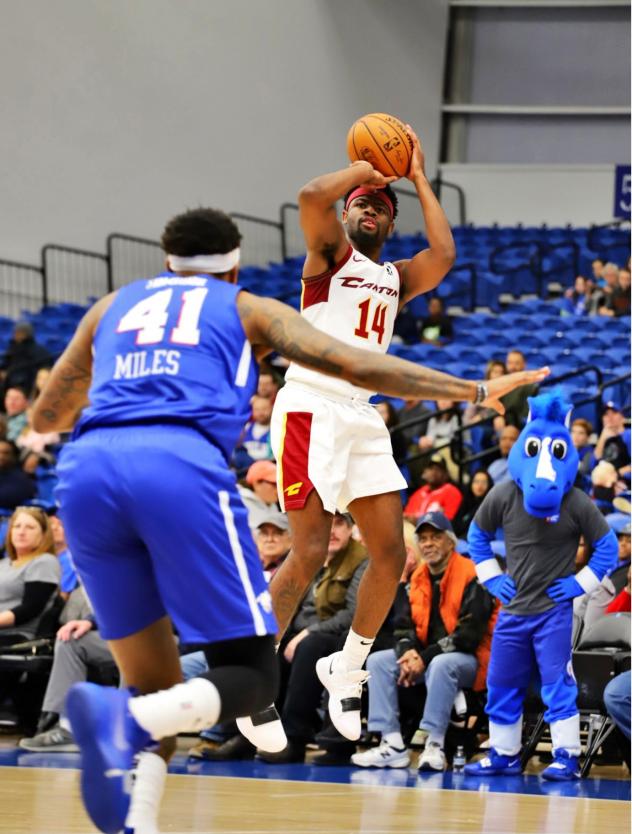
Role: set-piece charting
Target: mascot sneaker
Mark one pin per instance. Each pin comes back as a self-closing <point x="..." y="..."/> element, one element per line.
<point x="108" y="737"/>
<point x="495" y="764"/>
<point x="563" y="768"/>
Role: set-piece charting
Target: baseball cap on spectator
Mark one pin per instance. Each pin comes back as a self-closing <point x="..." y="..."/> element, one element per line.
<point x="347" y="517"/>
<point x="611" y="405"/>
<point x="262" y="470"/>
<point x="626" y="530"/>
<point x="278" y="520"/>
<point x="439" y="521"/>
<point x="437" y="460"/>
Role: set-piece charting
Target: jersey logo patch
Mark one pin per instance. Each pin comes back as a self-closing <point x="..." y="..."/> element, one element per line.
<point x="293" y="489"/>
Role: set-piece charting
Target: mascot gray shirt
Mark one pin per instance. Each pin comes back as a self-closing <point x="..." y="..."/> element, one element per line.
<point x="539" y="551"/>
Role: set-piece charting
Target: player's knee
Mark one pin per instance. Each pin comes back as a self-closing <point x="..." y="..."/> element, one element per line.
<point x="388" y="561"/>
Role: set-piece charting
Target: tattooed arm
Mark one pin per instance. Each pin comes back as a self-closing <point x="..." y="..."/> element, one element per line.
<point x="66" y="390"/>
<point x="270" y="323"/>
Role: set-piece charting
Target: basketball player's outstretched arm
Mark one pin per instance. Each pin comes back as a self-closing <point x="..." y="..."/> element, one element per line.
<point x="324" y="234"/>
<point x="269" y="323"/>
<point x="427" y="268"/>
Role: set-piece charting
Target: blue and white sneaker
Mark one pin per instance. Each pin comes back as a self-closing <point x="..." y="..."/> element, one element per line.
<point x="108" y="737"/>
<point x="495" y="764"/>
<point x="563" y="768"/>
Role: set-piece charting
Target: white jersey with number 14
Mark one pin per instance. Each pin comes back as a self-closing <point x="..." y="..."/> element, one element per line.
<point x="357" y="303"/>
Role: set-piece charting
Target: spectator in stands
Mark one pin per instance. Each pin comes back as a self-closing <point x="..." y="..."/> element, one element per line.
<point x="318" y="629"/>
<point x="617" y="699"/>
<point x="410" y="411"/>
<point x="268" y="385"/>
<point x="516" y="405"/>
<point x="622" y="601"/>
<point x="441" y="430"/>
<point x="436" y="494"/>
<point x="29" y="577"/>
<point x="609" y="287"/>
<point x="40" y="380"/>
<point x="15" y="485"/>
<point x="261" y="495"/>
<point x="69" y="579"/>
<point x="391" y="418"/>
<point x="446" y="647"/>
<point x="475" y="413"/>
<point x="576" y="298"/>
<point x="273" y="541"/>
<point x="581" y="430"/>
<point x="593" y="606"/>
<point x="604" y="482"/>
<point x="436" y="326"/>
<point x="78" y="650"/>
<point x="254" y="443"/>
<point x="613" y="444"/>
<point x="479" y="486"/>
<point x="35" y="448"/>
<point x="16" y="404"/>
<point x="597" y="271"/>
<point x="619" y="301"/>
<point x="23" y="358"/>
<point x="499" y="469"/>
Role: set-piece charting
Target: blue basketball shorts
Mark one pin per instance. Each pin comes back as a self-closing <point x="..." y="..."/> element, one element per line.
<point x="155" y="526"/>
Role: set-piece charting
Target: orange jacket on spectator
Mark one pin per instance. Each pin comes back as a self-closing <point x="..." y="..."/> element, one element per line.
<point x="458" y="575"/>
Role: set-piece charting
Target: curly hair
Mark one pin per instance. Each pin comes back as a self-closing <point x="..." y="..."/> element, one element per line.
<point x="200" y="231"/>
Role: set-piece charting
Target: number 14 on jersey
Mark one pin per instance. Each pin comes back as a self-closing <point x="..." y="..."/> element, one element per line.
<point x="377" y="326"/>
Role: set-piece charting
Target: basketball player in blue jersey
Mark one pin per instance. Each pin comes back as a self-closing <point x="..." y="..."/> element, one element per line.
<point x="167" y="367"/>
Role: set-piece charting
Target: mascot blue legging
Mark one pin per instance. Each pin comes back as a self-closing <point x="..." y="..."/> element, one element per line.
<point x="519" y="644"/>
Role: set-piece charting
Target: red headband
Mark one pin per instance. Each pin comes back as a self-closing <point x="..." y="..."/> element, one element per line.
<point x="361" y="191"/>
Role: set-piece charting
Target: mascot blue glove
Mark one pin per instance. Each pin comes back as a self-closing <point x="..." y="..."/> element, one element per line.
<point x="563" y="589"/>
<point x="502" y="587"/>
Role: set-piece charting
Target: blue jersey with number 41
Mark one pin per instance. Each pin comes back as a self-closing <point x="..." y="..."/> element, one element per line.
<point x="173" y="349"/>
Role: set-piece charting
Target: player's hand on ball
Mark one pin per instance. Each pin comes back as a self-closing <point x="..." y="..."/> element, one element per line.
<point x="374" y="179"/>
<point x="497" y="388"/>
<point x="563" y="589"/>
<point x="418" y="161"/>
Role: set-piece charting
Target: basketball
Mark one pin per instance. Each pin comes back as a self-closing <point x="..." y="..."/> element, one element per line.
<point x="383" y="141"/>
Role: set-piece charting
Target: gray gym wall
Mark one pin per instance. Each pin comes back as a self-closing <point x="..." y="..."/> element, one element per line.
<point x="117" y="114"/>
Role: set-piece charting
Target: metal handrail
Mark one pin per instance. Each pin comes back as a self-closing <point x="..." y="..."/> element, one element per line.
<point x="57" y="247"/>
<point x="145" y="241"/>
<point x="593" y="229"/>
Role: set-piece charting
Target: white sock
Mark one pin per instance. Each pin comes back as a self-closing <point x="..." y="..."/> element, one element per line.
<point x="506" y="739"/>
<point x="185" y="708"/>
<point x="565" y="735"/>
<point x="64" y="723"/>
<point x="149" y="784"/>
<point x="436" y="738"/>
<point x="356" y="649"/>
<point x="394" y="740"/>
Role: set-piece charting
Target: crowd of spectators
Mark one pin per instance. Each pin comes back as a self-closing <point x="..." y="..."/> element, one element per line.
<point x="435" y="642"/>
<point x="604" y="293"/>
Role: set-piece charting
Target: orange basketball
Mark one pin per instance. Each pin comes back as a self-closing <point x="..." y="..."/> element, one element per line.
<point x="383" y="141"/>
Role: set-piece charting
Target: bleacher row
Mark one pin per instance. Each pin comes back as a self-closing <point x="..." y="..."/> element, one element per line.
<point x="535" y="326"/>
<point x="500" y="259"/>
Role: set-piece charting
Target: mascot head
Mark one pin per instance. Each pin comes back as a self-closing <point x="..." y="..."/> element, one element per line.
<point x="543" y="461"/>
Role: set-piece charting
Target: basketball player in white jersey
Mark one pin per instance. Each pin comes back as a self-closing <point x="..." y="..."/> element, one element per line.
<point x="332" y="448"/>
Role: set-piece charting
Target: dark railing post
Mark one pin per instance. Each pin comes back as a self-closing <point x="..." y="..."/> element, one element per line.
<point x="110" y="276"/>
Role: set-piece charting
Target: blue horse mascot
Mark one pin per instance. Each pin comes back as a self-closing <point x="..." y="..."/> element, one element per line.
<point x="543" y="517"/>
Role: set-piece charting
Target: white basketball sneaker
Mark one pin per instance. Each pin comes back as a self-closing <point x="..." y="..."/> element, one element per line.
<point x="345" y="693"/>
<point x="383" y="756"/>
<point x="264" y="730"/>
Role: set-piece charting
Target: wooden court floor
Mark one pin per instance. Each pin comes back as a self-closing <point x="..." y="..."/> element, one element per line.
<point x="46" y="801"/>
